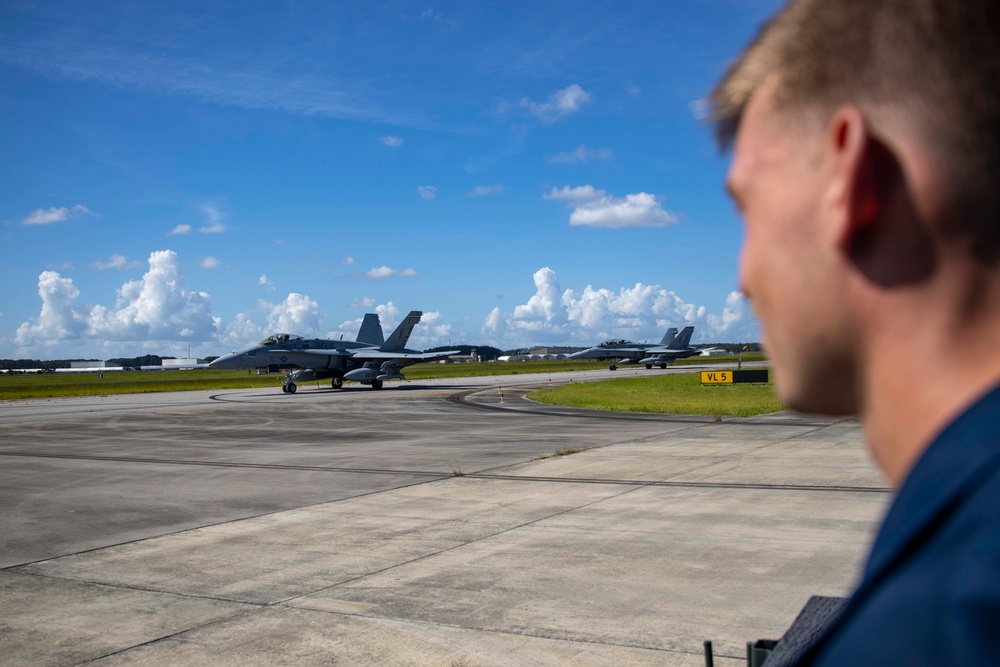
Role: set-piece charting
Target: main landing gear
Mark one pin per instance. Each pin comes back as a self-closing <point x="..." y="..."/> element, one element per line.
<point x="376" y="384"/>
<point x="289" y="388"/>
<point x="337" y="383"/>
<point x="613" y="366"/>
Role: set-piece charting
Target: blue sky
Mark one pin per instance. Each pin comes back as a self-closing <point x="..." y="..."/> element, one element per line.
<point x="195" y="175"/>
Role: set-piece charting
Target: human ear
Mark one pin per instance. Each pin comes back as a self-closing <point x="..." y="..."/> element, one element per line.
<point x="862" y="168"/>
<point x="875" y="220"/>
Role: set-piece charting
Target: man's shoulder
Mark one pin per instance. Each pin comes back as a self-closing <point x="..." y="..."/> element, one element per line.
<point x="936" y="597"/>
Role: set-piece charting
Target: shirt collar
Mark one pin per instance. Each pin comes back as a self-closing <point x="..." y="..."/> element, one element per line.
<point x="949" y="468"/>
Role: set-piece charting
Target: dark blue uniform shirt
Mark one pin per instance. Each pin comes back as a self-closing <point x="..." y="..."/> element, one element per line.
<point x="930" y="594"/>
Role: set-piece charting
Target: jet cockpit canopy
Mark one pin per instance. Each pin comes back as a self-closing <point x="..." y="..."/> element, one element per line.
<point x="612" y="343"/>
<point x="280" y="339"/>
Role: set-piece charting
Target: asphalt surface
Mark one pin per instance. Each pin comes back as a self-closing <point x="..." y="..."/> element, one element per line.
<point x="415" y="525"/>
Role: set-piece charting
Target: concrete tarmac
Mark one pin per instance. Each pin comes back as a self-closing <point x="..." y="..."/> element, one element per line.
<point x="415" y="525"/>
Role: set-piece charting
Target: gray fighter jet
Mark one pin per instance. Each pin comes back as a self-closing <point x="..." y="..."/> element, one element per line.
<point x="369" y="360"/>
<point x="672" y="347"/>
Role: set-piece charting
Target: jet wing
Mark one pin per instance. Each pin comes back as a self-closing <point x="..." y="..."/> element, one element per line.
<point x="667" y="352"/>
<point x="317" y="352"/>
<point x="417" y="356"/>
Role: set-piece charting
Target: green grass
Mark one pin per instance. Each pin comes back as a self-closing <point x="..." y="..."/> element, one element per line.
<point x="565" y="452"/>
<point x="434" y="370"/>
<point x="49" y="385"/>
<point x="670" y="394"/>
<point x="721" y="359"/>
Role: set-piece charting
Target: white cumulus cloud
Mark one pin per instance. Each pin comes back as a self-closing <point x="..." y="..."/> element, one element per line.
<point x="348" y="261"/>
<point x="638" y="210"/>
<point x="387" y="272"/>
<point x="553" y="315"/>
<point x="388" y="315"/>
<point x="391" y="141"/>
<point x="180" y="230"/>
<point x="362" y="302"/>
<point x="431" y="332"/>
<point x="596" y="208"/>
<point x="297" y="314"/>
<point x="209" y="262"/>
<point x="559" y="104"/>
<point x="427" y="191"/>
<point x="266" y="283"/>
<point x="155" y="307"/>
<point x="116" y="262"/>
<point x="59" y="319"/>
<point x="47" y="216"/>
<point x="581" y="193"/>
<point x="240" y="333"/>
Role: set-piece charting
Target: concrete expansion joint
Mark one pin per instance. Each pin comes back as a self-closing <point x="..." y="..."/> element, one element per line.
<point x="169" y="636"/>
<point x="27" y="571"/>
<point x="514" y="632"/>
<point x="456" y="547"/>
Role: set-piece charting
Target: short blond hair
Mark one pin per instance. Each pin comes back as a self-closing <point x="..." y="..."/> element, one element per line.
<point x="938" y="61"/>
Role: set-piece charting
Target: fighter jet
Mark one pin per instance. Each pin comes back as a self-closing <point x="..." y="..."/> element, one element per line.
<point x="672" y="347"/>
<point x="369" y="360"/>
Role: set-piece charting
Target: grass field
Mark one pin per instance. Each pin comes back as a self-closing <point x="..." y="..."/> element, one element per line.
<point x="670" y="394"/>
<point x="49" y="385"/>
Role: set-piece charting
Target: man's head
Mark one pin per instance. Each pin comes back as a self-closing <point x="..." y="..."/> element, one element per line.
<point x="863" y="131"/>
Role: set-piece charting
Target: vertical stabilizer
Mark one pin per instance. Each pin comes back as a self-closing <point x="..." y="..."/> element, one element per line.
<point x="681" y="342"/>
<point x="669" y="337"/>
<point x="398" y="338"/>
<point x="371" y="330"/>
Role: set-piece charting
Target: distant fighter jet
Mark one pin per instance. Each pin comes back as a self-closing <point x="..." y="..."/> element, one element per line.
<point x="672" y="347"/>
<point x="369" y="360"/>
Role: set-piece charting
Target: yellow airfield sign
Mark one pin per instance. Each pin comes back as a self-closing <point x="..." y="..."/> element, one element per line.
<point x="716" y="377"/>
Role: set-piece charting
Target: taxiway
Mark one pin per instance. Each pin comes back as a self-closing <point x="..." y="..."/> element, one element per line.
<point x="415" y="525"/>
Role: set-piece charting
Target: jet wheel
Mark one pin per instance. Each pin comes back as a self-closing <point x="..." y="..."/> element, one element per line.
<point x="376" y="384"/>
<point x="337" y="383"/>
<point x="648" y="366"/>
<point x="663" y="367"/>
<point x="291" y="388"/>
<point x="284" y="388"/>
<point x="612" y="367"/>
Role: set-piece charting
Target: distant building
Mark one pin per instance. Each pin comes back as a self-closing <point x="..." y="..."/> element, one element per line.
<point x="177" y="364"/>
<point x="87" y="365"/>
<point x="180" y="363"/>
<point x="473" y="357"/>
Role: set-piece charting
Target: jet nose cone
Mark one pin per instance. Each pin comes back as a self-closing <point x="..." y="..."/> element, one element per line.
<point x="225" y="362"/>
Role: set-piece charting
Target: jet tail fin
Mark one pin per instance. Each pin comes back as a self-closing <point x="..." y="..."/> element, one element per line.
<point x="398" y="338"/>
<point x="669" y="337"/>
<point x="371" y="330"/>
<point x="682" y="340"/>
